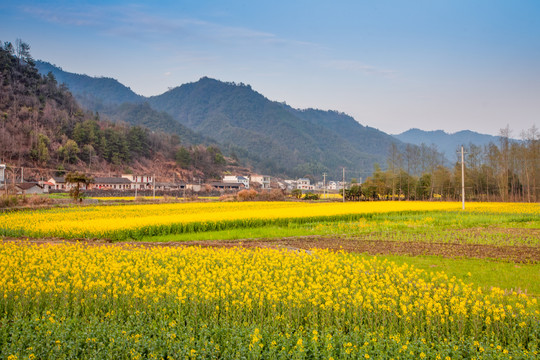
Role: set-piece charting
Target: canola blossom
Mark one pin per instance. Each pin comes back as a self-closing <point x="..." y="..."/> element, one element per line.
<point x="136" y="221"/>
<point x="80" y="301"/>
<point x="144" y="198"/>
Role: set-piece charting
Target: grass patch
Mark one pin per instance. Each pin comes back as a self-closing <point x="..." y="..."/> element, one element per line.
<point x="481" y="272"/>
<point x="434" y="227"/>
<point x="266" y="232"/>
<point x="58" y="196"/>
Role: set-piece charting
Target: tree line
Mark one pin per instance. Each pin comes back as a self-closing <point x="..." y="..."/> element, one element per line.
<point x="507" y="171"/>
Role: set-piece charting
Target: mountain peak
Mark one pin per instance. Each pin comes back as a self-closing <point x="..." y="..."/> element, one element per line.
<point x="274" y="137"/>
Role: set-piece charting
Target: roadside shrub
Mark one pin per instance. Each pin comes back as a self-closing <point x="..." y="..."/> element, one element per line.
<point x="35" y="200"/>
<point x="247" y="195"/>
<point x="297" y="193"/>
<point x="272" y="195"/>
<point x="311" y="196"/>
<point x="9" y="201"/>
<point x="227" y="197"/>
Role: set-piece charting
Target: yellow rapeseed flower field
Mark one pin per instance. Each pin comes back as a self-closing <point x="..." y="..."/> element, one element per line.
<point x="135" y="221"/>
<point x="322" y="302"/>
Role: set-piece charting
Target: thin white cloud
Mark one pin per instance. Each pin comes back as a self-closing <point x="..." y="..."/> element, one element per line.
<point x="358" y="66"/>
<point x="136" y="23"/>
<point x="88" y="17"/>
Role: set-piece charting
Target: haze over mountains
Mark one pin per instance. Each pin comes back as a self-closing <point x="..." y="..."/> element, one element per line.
<point x="447" y="144"/>
<point x="84" y="87"/>
<point x="269" y="136"/>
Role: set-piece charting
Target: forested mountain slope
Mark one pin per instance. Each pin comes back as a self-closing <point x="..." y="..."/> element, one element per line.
<point x="271" y="137"/>
<point x="286" y="140"/>
<point x="44" y="129"/>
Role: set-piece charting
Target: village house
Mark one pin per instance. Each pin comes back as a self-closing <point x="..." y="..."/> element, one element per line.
<point x="290" y="184"/>
<point x="28" y="188"/>
<point x="282" y="185"/>
<point x="170" y="186"/>
<point x="332" y="185"/>
<point x="139" y="182"/>
<point x="236" y="179"/>
<point x="46" y="186"/>
<point x="226" y="185"/>
<point x="263" y="180"/>
<point x="111" y="183"/>
<point x="194" y="187"/>
<point x="59" y="183"/>
<point x="304" y="184"/>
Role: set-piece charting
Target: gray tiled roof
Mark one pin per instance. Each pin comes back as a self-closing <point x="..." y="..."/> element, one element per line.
<point x="28" y="185"/>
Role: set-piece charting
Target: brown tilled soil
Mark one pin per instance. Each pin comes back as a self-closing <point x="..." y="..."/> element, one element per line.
<point x="373" y="247"/>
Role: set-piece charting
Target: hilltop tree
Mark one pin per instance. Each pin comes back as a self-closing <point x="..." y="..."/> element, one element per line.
<point x="22" y="51"/>
<point x="8" y="47"/>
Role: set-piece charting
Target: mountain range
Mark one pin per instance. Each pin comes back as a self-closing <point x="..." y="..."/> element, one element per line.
<point x="448" y="144"/>
<point x="268" y="136"/>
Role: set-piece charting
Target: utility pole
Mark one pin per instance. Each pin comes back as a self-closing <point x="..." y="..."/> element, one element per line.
<point x="3" y="179"/>
<point x="185" y="185"/>
<point x="462" y="178"/>
<point x="324" y="185"/>
<point x="154" y="185"/>
<point x="174" y="184"/>
<point x="343" y="184"/>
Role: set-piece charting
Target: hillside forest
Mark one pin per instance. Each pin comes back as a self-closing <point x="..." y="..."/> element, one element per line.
<point x="44" y="130"/>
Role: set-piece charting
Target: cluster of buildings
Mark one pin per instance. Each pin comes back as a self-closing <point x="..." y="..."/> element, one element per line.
<point x="265" y="182"/>
<point x="124" y="182"/>
<point x="243" y="182"/>
<point x="305" y="184"/>
<point x="128" y="182"/>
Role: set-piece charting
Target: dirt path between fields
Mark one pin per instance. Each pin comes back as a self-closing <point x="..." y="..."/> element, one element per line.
<point x="519" y="254"/>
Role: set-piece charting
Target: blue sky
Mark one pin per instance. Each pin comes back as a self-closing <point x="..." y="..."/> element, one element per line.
<point x="391" y="64"/>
